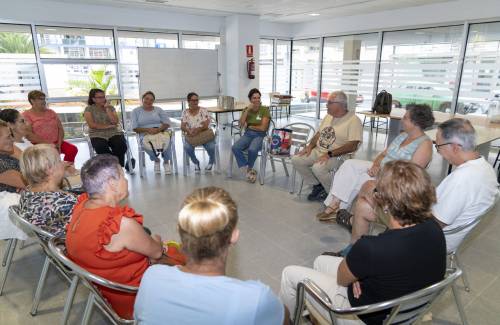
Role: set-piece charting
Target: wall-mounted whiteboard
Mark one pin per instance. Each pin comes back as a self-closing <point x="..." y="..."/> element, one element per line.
<point x="173" y="73"/>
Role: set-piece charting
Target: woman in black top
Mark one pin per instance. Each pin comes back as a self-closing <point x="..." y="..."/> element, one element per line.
<point x="409" y="256"/>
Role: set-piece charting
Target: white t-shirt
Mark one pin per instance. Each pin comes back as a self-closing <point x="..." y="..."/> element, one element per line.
<point x="464" y="195"/>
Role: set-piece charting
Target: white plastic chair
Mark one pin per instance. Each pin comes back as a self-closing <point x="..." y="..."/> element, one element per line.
<point x="95" y="299"/>
<point x="407" y="309"/>
<point x="187" y="160"/>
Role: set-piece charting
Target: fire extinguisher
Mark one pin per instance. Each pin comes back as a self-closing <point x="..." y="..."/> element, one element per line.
<point x="251" y="68"/>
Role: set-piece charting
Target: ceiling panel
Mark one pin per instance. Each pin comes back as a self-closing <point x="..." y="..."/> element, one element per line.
<point x="286" y="11"/>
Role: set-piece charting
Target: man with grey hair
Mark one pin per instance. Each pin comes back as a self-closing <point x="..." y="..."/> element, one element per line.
<point x="339" y="134"/>
<point x="470" y="189"/>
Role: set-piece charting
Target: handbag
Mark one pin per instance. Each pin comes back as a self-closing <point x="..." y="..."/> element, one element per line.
<point x="281" y="141"/>
<point x="157" y="142"/>
<point x="201" y="138"/>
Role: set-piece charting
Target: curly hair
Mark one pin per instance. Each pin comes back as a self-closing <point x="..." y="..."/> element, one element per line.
<point x="421" y="115"/>
<point x="404" y="190"/>
<point x="206" y="223"/>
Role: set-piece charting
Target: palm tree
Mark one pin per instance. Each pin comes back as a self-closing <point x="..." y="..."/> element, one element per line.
<point x="15" y="43"/>
<point x="97" y="78"/>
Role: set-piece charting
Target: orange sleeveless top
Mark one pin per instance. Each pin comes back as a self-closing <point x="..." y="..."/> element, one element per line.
<point x="88" y="231"/>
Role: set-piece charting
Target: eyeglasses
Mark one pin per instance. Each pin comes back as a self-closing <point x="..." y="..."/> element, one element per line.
<point x="194" y="100"/>
<point x="40" y="98"/>
<point x="437" y="146"/>
<point x="99" y="97"/>
<point x="333" y="102"/>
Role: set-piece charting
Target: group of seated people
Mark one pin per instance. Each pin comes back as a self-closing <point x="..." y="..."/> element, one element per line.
<point x="108" y="238"/>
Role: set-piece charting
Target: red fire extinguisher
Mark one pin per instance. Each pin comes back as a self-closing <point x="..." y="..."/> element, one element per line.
<point x="251" y="68"/>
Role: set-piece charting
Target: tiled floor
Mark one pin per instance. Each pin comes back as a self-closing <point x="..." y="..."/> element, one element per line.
<point x="277" y="229"/>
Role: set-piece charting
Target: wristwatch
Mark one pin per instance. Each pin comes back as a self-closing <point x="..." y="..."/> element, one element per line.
<point x="330" y="154"/>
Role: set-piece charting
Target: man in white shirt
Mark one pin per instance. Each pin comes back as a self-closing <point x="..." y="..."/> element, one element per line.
<point x="470" y="189"/>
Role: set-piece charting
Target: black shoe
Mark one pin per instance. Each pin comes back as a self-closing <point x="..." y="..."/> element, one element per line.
<point x="317" y="189"/>
<point x="321" y="196"/>
<point x="336" y="254"/>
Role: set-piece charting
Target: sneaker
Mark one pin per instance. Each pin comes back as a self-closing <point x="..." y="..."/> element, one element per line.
<point x="197" y="169"/>
<point x="157" y="167"/>
<point x="167" y="168"/>
<point x="209" y="167"/>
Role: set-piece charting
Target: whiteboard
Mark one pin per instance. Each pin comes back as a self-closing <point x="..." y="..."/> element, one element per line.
<point x="173" y="73"/>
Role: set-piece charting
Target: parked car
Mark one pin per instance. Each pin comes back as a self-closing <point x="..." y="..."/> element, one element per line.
<point x="312" y="95"/>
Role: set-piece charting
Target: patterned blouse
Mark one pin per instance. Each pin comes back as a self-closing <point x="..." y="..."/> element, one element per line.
<point x="8" y="163"/>
<point x="50" y="211"/>
<point x="195" y="121"/>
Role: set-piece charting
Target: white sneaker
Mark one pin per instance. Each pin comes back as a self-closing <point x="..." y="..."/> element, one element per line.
<point x="197" y="169"/>
<point x="167" y="168"/>
<point x="157" y="167"/>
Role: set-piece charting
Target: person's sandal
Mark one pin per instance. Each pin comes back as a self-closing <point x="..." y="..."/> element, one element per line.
<point x="252" y="175"/>
<point x="329" y="214"/>
<point x="344" y="218"/>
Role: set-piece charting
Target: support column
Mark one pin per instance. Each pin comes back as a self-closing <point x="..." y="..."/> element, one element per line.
<point x="240" y="30"/>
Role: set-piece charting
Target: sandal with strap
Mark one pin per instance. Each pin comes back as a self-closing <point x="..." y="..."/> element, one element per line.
<point x="344" y="219"/>
<point x="252" y="175"/>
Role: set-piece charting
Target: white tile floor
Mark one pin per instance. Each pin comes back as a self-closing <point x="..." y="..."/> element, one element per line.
<point x="277" y="229"/>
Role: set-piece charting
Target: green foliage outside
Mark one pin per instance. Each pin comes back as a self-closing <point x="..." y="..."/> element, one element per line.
<point x="97" y="78"/>
<point x="17" y="43"/>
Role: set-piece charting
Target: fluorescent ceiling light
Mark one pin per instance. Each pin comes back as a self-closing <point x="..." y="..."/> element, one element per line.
<point x="314" y="14"/>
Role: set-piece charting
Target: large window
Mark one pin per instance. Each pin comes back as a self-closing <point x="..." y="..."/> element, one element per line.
<point x="266" y="51"/>
<point x="283" y="58"/>
<point x="200" y="42"/>
<point x="75" y="43"/>
<point x="480" y="85"/>
<point x="18" y="69"/>
<point x="305" y="64"/>
<point x="421" y="65"/>
<point x="349" y="65"/>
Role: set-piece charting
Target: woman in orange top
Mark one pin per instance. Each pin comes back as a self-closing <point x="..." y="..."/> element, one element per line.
<point x="107" y="239"/>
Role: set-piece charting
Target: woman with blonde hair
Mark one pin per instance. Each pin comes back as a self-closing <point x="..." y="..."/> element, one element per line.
<point x="200" y="292"/>
<point x="43" y="203"/>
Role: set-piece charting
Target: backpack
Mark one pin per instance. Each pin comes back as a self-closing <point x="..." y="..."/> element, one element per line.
<point x="383" y="103"/>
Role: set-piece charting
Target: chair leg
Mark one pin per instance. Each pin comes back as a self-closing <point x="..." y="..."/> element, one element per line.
<point x="39" y="287"/>
<point x="285" y="168"/>
<point x="263" y="160"/>
<point x="496" y="159"/>
<point x="185" y="164"/>
<point x="142" y="163"/>
<point x="460" y="307"/>
<point x="7" y="250"/>
<point x="217" y="160"/>
<point x="291" y="181"/>
<point x="174" y="158"/>
<point x="69" y="300"/>
<point x="8" y="262"/>
<point x="464" y="276"/>
<point x="88" y="309"/>
<point x="272" y="165"/>
<point x="300" y="189"/>
<point x="230" y="167"/>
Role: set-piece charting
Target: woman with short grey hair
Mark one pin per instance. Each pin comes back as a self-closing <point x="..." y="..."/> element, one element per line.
<point x="106" y="238"/>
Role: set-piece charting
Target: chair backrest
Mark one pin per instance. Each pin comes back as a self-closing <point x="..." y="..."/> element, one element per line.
<point x="471" y="225"/>
<point x="40" y="235"/>
<point x="57" y="247"/>
<point x="301" y="134"/>
<point x="404" y="310"/>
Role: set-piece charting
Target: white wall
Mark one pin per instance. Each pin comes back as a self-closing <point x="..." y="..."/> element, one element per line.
<point x="440" y="13"/>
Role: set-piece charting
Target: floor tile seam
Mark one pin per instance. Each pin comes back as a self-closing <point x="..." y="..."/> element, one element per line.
<point x="478" y="295"/>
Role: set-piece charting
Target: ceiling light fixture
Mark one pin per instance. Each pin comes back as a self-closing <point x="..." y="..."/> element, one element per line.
<point x="314" y="14"/>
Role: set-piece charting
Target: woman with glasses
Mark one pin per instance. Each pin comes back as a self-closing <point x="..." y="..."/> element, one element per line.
<point x="105" y="131"/>
<point x="356" y="177"/>
<point x="194" y="121"/>
<point x="255" y="120"/>
<point x="11" y="183"/>
<point x="44" y="126"/>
